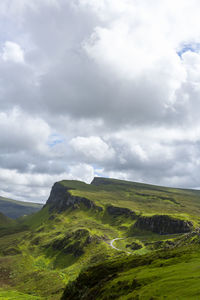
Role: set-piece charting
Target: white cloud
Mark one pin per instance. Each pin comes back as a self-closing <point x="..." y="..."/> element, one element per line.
<point x="107" y="87"/>
<point x="83" y="172"/>
<point x="36" y="187"/>
<point x="93" y="148"/>
<point x="20" y="132"/>
<point x="12" y="52"/>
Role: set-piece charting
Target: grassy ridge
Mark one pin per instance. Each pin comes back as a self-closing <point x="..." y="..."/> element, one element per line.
<point x="142" y="198"/>
<point x="43" y="253"/>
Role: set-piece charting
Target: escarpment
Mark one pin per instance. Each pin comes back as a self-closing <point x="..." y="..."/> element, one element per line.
<point x="61" y="199"/>
<point x="163" y="224"/>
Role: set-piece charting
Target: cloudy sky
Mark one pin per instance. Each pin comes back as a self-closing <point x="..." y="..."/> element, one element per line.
<point x="98" y="87"/>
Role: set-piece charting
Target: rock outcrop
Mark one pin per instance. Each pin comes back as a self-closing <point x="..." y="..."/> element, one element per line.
<point x="61" y="199"/>
<point x="120" y="211"/>
<point x="134" y="246"/>
<point x="163" y="224"/>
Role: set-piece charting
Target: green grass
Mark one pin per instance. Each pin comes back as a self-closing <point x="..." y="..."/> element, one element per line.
<point x="162" y="275"/>
<point x="14" y="295"/>
<point x="38" y="253"/>
<point x="141" y="198"/>
<point x="36" y="268"/>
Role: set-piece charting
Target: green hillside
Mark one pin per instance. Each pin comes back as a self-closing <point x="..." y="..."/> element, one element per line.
<point x="111" y="239"/>
<point x="15" y="209"/>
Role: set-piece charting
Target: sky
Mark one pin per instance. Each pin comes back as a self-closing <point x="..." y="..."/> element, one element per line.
<point x="98" y="88"/>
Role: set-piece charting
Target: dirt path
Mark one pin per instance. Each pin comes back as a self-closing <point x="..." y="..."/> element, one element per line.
<point x="111" y="244"/>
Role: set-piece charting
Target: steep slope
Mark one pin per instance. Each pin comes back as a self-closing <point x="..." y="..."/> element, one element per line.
<point x="77" y="228"/>
<point x="15" y="209"/>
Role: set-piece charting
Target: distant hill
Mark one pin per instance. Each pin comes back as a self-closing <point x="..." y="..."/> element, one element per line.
<point x="4" y="220"/>
<point x="15" y="209"/>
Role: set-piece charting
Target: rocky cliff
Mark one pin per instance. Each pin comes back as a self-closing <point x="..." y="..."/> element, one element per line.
<point x="120" y="211"/>
<point x="60" y="199"/>
<point x="163" y="224"/>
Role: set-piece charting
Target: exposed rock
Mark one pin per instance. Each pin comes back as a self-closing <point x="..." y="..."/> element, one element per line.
<point x="120" y="211"/>
<point x="134" y="246"/>
<point x="163" y="224"/>
<point x="160" y="245"/>
<point x="60" y="199"/>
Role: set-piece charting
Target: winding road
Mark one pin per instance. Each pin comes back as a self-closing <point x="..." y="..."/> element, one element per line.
<point x="111" y="244"/>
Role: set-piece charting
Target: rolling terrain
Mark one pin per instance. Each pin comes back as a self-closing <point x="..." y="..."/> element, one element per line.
<point x="15" y="209"/>
<point x="110" y="239"/>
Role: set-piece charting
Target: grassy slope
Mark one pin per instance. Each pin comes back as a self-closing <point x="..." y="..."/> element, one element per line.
<point x="39" y="270"/>
<point x="14" y="209"/>
<point x="30" y="265"/>
<point x="160" y="275"/>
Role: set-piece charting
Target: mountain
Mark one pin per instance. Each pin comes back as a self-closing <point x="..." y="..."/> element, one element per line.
<point x="15" y="209"/>
<point x="111" y="239"/>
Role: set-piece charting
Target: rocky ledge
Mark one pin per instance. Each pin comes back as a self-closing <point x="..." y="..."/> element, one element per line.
<point x="61" y="199"/>
<point x="163" y="224"/>
<point x="120" y="211"/>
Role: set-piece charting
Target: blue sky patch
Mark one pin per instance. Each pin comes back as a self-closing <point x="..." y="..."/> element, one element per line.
<point x="54" y="140"/>
<point x="195" y="47"/>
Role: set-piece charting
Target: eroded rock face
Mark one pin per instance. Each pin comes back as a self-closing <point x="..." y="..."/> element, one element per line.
<point x="163" y="224"/>
<point x="60" y="199"/>
<point x="120" y="211"/>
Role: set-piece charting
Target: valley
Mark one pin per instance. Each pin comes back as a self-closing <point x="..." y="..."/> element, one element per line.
<point x="15" y="209"/>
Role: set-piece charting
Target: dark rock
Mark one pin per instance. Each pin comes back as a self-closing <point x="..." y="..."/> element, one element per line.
<point x="163" y="224"/>
<point x="120" y="211"/>
<point x="160" y="245"/>
<point x="61" y="199"/>
<point x="134" y="246"/>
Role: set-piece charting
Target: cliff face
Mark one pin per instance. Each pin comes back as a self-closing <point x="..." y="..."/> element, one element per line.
<point x="120" y="211"/>
<point x="163" y="224"/>
<point x="60" y="199"/>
